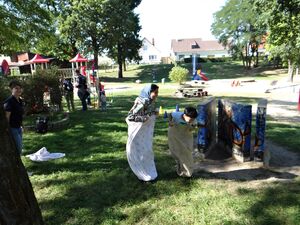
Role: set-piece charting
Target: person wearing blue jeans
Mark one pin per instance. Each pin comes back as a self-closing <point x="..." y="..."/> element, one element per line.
<point x="14" y="110"/>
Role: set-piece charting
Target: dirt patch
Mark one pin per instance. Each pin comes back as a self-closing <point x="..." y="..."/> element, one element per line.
<point x="283" y="165"/>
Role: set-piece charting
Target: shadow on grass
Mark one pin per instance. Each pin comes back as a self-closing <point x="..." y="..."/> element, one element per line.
<point x="245" y="175"/>
<point x="275" y="205"/>
<point x="145" y="74"/>
<point x="94" y="178"/>
<point x="97" y="173"/>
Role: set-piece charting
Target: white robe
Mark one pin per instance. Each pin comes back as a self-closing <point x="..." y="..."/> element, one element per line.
<point x="139" y="149"/>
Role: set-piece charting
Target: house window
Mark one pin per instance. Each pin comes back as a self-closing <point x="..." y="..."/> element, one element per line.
<point x="145" y="47"/>
<point x="152" y="57"/>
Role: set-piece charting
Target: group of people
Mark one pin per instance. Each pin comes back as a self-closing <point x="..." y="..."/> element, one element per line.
<point x="14" y="104"/>
<point x="141" y="121"/>
<point x="82" y="92"/>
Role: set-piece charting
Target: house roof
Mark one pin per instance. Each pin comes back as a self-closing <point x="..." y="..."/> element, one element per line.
<point x="78" y="58"/>
<point x="150" y="43"/>
<point x="195" y="45"/>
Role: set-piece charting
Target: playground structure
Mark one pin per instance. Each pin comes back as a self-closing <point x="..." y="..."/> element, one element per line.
<point x="79" y="62"/>
<point x="4" y="68"/>
<point x="226" y="132"/>
<point x="197" y="72"/>
<point x="37" y="59"/>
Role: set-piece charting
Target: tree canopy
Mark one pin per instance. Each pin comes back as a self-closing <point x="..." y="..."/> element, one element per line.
<point x="22" y="25"/>
<point x="283" y="21"/>
<point x="236" y="26"/>
<point x="62" y="28"/>
<point x="243" y="25"/>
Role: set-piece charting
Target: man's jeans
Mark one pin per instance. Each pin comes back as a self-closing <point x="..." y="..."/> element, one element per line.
<point x="17" y="135"/>
<point x="83" y="94"/>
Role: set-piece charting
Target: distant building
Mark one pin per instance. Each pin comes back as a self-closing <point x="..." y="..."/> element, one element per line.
<point x="185" y="48"/>
<point x="149" y="53"/>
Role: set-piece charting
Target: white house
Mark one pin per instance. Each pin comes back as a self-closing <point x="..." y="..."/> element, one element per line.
<point x="149" y="53"/>
<point x="185" y="48"/>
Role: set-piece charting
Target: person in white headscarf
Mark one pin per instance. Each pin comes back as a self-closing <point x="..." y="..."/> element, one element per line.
<point x="141" y="121"/>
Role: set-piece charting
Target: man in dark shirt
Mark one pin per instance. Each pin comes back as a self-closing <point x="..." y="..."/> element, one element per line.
<point x="68" y="92"/>
<point x="82" y="93"/>
<point x="14" y="110"/>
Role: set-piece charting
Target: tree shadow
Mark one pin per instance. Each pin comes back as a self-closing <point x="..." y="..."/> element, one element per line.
<point x="110" y="185"/>
<point x="244" y="175"/>
<point x="281" y="196"/>
<point x="101" y="179"/>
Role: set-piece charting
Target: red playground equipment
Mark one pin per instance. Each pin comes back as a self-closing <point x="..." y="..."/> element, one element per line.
<point x="200" y="76"/>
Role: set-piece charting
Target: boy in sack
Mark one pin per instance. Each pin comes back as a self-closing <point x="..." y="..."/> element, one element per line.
<point x="180" y="139"/>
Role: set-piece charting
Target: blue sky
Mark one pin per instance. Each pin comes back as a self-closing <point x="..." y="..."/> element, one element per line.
<point x="165" y="20"/>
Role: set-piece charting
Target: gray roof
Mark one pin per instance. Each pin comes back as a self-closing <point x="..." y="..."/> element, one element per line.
<point x="195" y="45"/>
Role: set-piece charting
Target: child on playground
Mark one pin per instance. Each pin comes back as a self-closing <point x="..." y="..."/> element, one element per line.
<point x="103" y="100"/>
<point x="180" y="139"/>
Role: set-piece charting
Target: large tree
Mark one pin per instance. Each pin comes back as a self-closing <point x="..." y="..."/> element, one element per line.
<point x="81" y="22"/>
<point x="18" y="204"/>
<point x="283" y="21"/>
<point x="121" y="29"/>
<point x="236" y="27"/>
<point x="22" y="24"/>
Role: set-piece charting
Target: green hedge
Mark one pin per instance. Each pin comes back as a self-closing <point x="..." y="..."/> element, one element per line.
<point x="203" y="60"/>
<point x="34" y="88"/>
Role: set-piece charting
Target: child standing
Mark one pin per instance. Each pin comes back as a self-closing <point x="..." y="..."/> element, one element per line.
<point x="180" y="139"/>
<point x="103" y="100"/>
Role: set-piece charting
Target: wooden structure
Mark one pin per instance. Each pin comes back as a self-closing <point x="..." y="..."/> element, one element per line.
<point x="77" y="62"/>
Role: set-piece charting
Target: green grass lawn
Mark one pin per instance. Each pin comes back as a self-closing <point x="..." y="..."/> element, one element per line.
<point x="93" y="184"/>
<point x="216" y="70"/>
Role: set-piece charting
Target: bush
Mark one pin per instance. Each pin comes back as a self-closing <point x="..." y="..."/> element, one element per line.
<point x="212" y="59"/>
<point x="4" y="89"/>
<point x="178" y="74"/>
<point x="35" y="87"/>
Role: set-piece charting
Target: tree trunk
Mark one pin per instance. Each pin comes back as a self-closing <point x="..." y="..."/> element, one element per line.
<point x="74" y="50"/>
<point x="256" y="64"/>
<point x="243" y="59"/>
<point x="18" y="204"/>
<point x="96" y="52"/>
<point x="124" y="65"/>
<point x="248" y="57"/>
<point x="290" y="71"/>
<point x="120" y="61"/>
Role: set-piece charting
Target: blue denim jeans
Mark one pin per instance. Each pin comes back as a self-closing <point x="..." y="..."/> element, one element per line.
<point x="17" y="135"/>
<point x="83" y="94"/>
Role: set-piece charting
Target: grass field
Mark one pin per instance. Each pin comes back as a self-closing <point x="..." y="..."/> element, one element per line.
<point x="219" y="70"/>
<point x="93" y="184"/>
